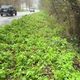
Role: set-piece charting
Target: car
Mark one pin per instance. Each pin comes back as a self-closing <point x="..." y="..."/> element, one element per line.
<point x="7" y="10"/>
<point x="32" y="9"/>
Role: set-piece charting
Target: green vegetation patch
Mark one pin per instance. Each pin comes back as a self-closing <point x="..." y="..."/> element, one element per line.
<point x="30" y="50"/>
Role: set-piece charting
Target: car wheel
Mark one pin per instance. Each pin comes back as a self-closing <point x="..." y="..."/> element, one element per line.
<point x="12" y="14"/>
<point x="1" y="14"/>
<point x="15" y="13"/>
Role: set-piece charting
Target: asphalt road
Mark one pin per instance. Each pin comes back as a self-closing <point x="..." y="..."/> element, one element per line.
<point x="7" y="19"/>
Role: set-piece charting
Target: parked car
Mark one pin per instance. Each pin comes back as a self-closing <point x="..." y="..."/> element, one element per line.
<point x="7" y="10"/>
<point x="32" y="9"/>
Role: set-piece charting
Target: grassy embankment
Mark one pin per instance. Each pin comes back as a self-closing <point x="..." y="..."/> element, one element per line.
<point x="31" y="49"/>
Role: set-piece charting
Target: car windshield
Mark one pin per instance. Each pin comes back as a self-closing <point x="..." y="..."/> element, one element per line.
<point x="11" y="7"/>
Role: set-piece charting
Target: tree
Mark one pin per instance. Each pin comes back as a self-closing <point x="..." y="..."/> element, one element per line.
<point x="67" y="11"/>
<point x="16" y="3"/>
<point x="29" y="3"/>
<point x="76" y="10"/>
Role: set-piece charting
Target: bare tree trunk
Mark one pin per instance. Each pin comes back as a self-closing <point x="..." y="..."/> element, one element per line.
<point x="76" y="11"/>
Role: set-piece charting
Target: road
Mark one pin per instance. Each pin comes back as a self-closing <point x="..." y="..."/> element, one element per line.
<point x="7" y="19"/>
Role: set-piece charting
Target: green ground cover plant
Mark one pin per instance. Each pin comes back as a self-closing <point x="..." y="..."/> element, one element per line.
<point x="30" y="49"/>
